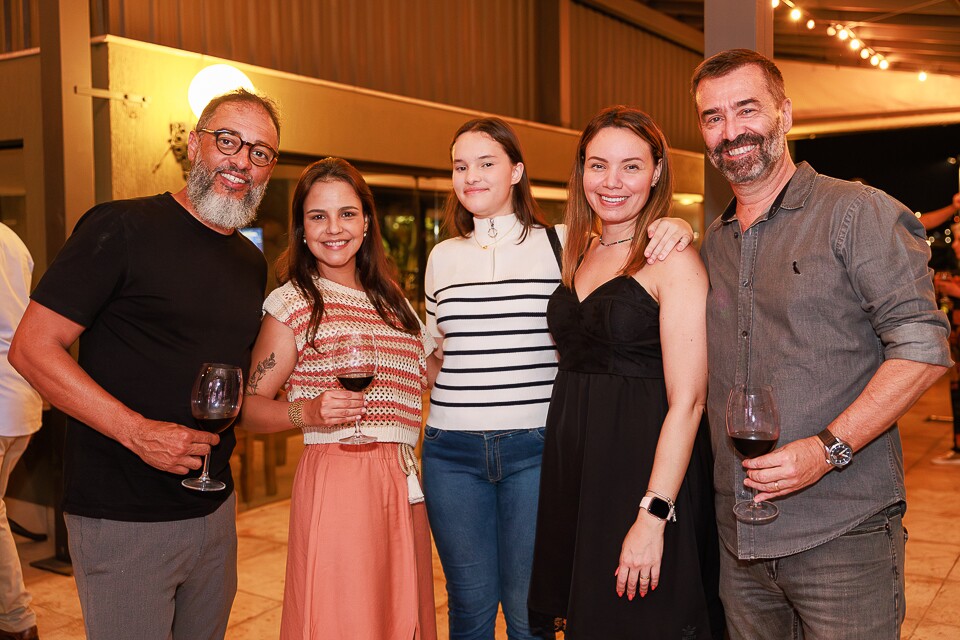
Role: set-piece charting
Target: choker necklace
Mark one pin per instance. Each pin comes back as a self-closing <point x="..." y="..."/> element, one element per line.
<point x="493" y="233"/>
<point x="610" y="244"/>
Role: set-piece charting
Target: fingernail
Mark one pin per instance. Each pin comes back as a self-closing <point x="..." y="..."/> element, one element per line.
<point x="630" y="597"/>
<point x="643" y="595"/>
<point x="619" y="594"/>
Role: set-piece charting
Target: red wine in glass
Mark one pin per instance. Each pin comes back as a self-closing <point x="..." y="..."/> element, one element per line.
<point x="355" y="381"/>
<point x="752" y="445"/>
<point x="213" y="423"/>
<point x="753" y="424"/>
<point x="215" y="403"/>
<point x="355" y="365"/>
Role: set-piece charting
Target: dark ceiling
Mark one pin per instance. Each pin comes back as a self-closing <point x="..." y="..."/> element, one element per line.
<point x="913" y="36"/>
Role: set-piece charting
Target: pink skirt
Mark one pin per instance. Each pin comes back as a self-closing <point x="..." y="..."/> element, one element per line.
<point x="359" y="561"/>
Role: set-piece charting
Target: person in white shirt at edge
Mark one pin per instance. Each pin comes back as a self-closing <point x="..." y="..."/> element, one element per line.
<point x="486" y="296"/>
<point x="20" y="411"/>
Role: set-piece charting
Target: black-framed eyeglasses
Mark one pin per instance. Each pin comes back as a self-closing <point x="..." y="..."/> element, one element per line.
<point x="229" y="143"/>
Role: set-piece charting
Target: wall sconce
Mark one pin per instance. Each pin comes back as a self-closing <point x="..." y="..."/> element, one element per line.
<point x="209" y="83"/>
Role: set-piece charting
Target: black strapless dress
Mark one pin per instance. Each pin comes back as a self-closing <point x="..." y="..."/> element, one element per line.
<point x="608" y="405"/>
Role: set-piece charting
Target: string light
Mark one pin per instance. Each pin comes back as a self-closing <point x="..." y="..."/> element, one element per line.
<point x="922" y="76"/>
<point x="845" y="33"/>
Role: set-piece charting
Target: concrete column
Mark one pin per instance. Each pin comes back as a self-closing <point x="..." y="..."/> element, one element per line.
<point x="552" y="25"/>
<point x="67" y="117"/>
<point x="731" y="24"/>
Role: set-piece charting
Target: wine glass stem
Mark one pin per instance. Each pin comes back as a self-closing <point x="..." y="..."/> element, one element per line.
<point x="205" y="475"/>
<point x="356" y="431"/>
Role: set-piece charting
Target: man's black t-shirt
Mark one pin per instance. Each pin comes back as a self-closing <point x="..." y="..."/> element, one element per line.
<point x="159" y="294"/>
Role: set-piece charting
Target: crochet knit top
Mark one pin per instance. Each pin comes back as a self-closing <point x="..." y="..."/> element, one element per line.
<point x="394" y="399"/>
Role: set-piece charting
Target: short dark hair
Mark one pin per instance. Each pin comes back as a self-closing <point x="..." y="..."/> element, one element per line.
<point x="243" y="96"/>
<point x="730" y="60"/>
<point x="458" y="219"/>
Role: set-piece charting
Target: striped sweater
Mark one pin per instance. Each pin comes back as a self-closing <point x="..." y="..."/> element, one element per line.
<point x="394" y="399"/>
<point x="489" y="309"/>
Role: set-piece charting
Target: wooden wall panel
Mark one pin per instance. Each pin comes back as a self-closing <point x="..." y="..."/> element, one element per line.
<point x="617" y="63"/>
<point x="469" y="54"/>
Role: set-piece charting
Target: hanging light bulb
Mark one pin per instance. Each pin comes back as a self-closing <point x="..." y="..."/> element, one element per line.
<point x="811" y="24"/>
<point x="922" y="76"/>
<point x="865" y="53"/>
<point x="884" y="64"/>
<point x="795" y="14"/>
<point x="875" y="59"/>
<point x="854" y="44"/>
<point x="831" y="30"/>
<point x="843" y="34"/>
<point x="775" y="3"/>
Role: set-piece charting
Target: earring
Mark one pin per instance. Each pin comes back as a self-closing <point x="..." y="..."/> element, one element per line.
<point x="304" y="239"/>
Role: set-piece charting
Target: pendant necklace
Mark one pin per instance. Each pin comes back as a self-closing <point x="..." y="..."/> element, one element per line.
<point x="610" y="244"/>
<point x="493" y="233"/>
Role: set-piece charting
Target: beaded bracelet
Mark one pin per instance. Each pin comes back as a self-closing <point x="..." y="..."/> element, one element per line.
<point x="295" y="413"/>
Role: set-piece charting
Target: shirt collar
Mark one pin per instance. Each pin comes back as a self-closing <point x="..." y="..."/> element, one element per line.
<point x="792" y="197"/>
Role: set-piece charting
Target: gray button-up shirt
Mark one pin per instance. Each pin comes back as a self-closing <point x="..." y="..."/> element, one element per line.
<point x="810" y="300"/>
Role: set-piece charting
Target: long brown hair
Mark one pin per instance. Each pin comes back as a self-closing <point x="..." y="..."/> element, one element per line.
<point x="297" y="265"/>
<point x="583" y="223"/>
<point x="458" y="219"/>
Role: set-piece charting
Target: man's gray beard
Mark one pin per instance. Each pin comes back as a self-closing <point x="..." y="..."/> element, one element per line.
<point x="221" y="210"/>
<point x="771" y="149"/>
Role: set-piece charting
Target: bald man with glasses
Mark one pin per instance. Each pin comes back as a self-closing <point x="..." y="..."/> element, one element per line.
<point x="152" y="288"/>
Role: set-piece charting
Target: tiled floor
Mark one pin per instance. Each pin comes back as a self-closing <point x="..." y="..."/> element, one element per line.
<point x="932" y="569"/>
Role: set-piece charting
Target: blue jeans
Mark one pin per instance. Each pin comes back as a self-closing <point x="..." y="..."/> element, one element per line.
<point x="850" y="588"/>
<point x="481" y="492"/>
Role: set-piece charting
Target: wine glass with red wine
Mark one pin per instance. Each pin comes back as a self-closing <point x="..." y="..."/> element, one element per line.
<point x="215" y="403"/>
<point x="753" y="423"/>
<point x="355" y="364"/>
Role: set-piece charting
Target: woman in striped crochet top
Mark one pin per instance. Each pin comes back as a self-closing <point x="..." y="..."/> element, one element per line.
<point x="359" y="561"/>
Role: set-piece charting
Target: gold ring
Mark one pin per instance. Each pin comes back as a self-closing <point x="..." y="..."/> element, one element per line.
<point x="644" y="577"/>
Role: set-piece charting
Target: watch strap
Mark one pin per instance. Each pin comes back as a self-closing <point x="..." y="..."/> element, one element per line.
<point x="827" y="438"/>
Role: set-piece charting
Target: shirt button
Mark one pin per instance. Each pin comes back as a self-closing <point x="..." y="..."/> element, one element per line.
<point x="744" y="334"/>
<point x="746" y="282"/>
<point x="736" y="234"/>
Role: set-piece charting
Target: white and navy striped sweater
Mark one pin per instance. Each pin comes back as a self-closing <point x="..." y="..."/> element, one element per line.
<point x="488" y="307"/>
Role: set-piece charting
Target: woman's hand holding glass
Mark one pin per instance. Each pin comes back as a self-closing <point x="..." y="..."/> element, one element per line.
<point x="334" y="407"/>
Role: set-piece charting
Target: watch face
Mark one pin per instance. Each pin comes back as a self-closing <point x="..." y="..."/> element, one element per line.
<point x="659" y="508"/>
<point x="840" y="454"/>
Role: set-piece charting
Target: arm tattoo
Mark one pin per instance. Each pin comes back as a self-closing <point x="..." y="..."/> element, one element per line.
<point x="262" y="367"/>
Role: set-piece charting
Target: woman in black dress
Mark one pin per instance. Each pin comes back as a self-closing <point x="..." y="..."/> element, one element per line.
<point x="624" y="426"/>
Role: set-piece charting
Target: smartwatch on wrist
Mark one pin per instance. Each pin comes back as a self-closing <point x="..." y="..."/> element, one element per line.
<point x="660" y="508"/>
<point x="839" y="453"/>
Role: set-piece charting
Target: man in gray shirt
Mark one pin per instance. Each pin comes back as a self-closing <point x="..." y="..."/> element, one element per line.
<point x="820" y="289"/>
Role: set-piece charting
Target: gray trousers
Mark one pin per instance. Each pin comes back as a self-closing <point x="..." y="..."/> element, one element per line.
<point x="156" y="580"/>
<point x="15" y="612"/>
<point x="850" y="588"/>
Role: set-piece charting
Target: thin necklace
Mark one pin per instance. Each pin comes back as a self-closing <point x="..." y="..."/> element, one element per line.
<point x="610" y="244"/>
<point x="493" y="233"/>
